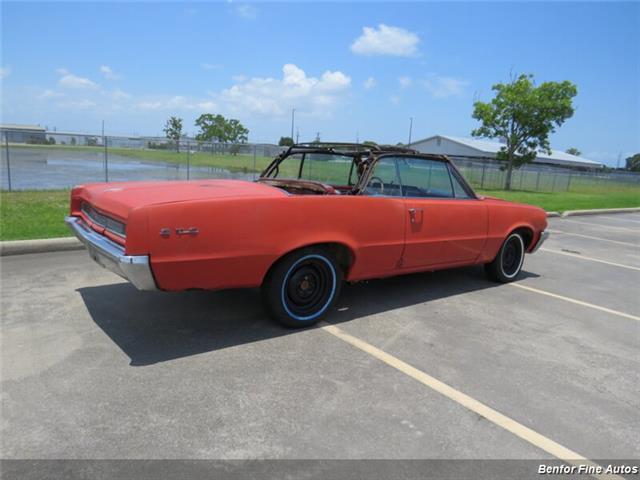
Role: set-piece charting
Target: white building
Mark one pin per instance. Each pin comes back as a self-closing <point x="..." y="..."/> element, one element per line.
<point x="467" y="147"/>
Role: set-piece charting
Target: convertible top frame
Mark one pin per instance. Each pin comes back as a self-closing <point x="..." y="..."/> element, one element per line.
<point x="365" y="155"/>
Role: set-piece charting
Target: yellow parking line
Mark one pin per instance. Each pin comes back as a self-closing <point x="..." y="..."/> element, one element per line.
<point x="577" y="302"/>
<point x="591" y="259"/>
<point x="531" y="436"/>
<point x="594" y="238"/>
<point x="606" y="227"/>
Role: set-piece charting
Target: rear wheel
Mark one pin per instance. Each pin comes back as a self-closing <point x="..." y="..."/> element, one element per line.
<point x="508" y="263"/>
<point x="302" y="287"/>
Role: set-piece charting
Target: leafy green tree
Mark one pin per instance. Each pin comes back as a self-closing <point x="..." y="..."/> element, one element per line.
<point x="370" y="143"/>
<point x="173" y="131"/>
<point x="524" y="115"/>
<point x="235" y="132"/>
<point x="633" y="163"/>
<point x="573" y="151"/>
<point x="211" y="127"/>
<point x="285" y="141"/>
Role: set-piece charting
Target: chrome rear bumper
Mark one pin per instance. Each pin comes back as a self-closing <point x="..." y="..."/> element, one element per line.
<point x="110" y="255"/>
<point x="543" y="236"/>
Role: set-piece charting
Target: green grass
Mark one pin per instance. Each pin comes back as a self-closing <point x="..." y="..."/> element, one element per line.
<point x="619" y="197"/>
<point x="29" y="214"/>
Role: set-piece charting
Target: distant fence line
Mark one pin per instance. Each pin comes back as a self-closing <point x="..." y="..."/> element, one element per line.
<point x="51" y="160"/>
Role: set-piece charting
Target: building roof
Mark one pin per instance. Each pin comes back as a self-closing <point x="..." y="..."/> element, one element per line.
<point x="16" y="126"/>
<point x="491" y="147"/>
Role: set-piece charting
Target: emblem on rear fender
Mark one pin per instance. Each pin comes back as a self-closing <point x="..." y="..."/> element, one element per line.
<point x="165" y="232"/>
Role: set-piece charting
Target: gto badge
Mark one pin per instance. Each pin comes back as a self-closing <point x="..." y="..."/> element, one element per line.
<point x="165" y="232"/>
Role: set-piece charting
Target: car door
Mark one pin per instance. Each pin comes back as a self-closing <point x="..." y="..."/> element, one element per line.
<point x="445" y="225"/>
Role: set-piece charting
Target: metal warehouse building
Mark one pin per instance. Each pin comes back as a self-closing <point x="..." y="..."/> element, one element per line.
<point x="15" y="133"/>
<point x="485" y="149"/>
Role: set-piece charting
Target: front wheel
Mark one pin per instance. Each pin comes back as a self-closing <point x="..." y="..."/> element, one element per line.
<point x="508" y="263"/>
<point x="302" y="287"/>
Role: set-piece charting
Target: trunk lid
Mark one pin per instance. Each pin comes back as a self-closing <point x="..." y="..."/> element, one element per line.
<point x="119" y="198"/>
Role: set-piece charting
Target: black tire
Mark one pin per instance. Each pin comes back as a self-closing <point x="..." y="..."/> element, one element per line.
<point x="507" y="265"/>
<point x="302" y="287"/>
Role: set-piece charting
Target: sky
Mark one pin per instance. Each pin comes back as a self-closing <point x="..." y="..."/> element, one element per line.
<point x="352" y="71"/>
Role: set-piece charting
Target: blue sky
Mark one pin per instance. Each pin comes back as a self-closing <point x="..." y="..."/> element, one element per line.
<point x="351" y="70"/>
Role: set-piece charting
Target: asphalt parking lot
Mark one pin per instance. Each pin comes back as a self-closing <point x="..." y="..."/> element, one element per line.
<point x="92" y="368"/>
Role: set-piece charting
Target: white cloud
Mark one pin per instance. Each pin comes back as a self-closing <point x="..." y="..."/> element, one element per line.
<point x="273" y="96"/>
<point x="118" y="95"/>
<point x="386" y="40"/>
<point x="50" y="94"/>
<point x="69" y="80"/>
<point x="211" y="66"/>
<point x="81" y="104"/>
<point x="395" y="99"/>
<point x="247" y="11"/>
<point x="443" y="87"/>
<point x="108" y="73"/>
<point x="405" y="82"/>
<point x="370" y="83"/>
<point x="175" y="103"/>
<point x="5" y="72"/>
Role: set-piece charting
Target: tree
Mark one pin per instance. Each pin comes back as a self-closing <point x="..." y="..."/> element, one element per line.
<point x="211" y="127"/>
<point x="370" y="143"/>
<point x="633" y="163"/>
<point x="173" y="131"/>
<point x="524" y="115"/>
<point x="235" y="132"/>
<point x="573" y="151"/>
<point x="285" y="141"/>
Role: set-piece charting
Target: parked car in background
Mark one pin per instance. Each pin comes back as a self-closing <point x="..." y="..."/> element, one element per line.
<point x="318" y="215"/>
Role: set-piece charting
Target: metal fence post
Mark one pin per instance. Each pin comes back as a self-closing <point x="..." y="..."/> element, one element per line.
<point x="6" y="146"/>
<point x="484" y="167"/>
<point x="106" y="160"/>
<point x="569" y="182"/>
<point x="255" y="147"/>
<point x="188" y="162"/>
<point x="553" y="185"/>
<point x="538" y="182"/>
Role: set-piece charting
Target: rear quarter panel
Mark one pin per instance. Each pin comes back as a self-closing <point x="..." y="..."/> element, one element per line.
<point x="505" y="217"/>
<point x="240" y="238"/>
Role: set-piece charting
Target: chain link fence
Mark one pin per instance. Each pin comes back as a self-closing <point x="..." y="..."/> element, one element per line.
<point x="54" y="160"/>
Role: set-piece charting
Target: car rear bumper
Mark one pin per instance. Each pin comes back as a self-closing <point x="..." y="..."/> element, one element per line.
<point x="543" y="236"/>
<point x="110" y="255"/>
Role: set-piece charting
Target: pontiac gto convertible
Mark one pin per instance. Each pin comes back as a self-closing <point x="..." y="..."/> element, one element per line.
<point x="318" y="215"/>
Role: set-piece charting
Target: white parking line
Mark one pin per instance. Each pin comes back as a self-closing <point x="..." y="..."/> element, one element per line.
<point x="591" y="259"/>
<point x="594" y="238"/>
<point x="531" y="436"/>
<point x="606" y="227"/>
<point x="577" y="302"/>
<point x="619" y="219"/>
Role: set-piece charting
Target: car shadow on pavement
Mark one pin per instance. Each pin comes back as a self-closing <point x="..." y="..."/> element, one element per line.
<point x="153" y="327"/>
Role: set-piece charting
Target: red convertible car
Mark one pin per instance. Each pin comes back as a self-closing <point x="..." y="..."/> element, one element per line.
<point x="318" y="215"/>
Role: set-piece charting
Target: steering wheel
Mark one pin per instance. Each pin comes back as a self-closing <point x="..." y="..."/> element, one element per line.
<point x="380" y="183"/>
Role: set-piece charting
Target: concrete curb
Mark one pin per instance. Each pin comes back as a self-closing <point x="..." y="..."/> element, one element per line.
<point x="20" y="247"/>
<point x="553" y="214"/>
<point x="571" y="213"/>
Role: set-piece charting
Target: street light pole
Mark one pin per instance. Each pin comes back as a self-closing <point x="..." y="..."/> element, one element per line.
<point x="410" y="128"/>
<point x="293" y="113"/>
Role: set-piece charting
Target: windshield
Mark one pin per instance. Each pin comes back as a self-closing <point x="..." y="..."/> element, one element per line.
<point x="333" y="169"/>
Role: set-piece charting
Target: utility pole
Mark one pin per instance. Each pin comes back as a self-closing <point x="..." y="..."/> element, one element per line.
<point x="410" y="128"/>
<point x="293" y="115"/>
<point x="297" y="135"/>
<point x="619" y="159"/>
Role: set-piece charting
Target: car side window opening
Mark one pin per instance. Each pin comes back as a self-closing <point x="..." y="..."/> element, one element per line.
<point x="384" y="181"/>
<point x="425" y="178"/>
<point x="458" y="189"/>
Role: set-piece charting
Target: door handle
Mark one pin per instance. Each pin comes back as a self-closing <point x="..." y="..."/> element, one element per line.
<point x="412" y="214"/>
